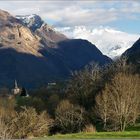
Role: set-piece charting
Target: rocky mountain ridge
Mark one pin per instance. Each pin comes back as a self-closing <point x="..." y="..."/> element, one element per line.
<point x="37" y="25"/>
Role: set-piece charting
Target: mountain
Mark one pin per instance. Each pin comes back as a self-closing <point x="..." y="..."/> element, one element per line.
<point x="133" y="53"/>
<point x="42" y="29"/>
<point x="36" y="56"/>
<point x="111" y="42"/>
<point x="32" y="21"/>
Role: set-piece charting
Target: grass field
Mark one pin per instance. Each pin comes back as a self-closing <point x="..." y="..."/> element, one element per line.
<point x="131" y="132"/>
<point x="126" y="134"/>
<point x="101" y="135"/>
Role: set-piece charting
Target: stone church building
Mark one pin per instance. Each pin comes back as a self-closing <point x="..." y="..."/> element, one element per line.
<point x="19" y="91"/>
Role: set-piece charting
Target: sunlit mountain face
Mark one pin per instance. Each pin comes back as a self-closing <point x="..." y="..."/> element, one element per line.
<point x="111" y="42"/>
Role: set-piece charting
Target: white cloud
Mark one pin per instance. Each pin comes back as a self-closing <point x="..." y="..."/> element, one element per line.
<point x="72" y="13"/>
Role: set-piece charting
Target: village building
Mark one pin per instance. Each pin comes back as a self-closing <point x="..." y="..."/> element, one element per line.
<point x="16" y="90"/>
<point x="19" y="91"/>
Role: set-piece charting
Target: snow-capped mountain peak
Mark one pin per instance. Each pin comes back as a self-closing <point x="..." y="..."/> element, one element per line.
<point x="110" y="41"/>
<point x="33" y="21"/>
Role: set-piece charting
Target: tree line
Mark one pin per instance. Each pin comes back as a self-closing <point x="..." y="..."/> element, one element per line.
<point x="94" y="99"/>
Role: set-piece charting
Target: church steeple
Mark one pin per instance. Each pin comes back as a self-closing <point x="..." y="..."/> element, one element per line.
<point x="16" y="89"/>
<point x="16" y="86"/>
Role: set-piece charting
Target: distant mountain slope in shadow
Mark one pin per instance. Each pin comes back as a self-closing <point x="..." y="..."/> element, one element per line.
<point x="133" y="53"/>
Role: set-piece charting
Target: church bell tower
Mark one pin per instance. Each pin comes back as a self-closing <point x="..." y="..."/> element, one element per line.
<point x="16" y="89"/>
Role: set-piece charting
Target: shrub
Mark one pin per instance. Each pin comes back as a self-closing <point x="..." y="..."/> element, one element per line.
<point x="52" y="103"/>
<point x="28" y="123"/>
<point x="89" y="128"/>
<point x="7" y="113"/>
<point x="69" y="117"/>
<point x="5" y="129"/>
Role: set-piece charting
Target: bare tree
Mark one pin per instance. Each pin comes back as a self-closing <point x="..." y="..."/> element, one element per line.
<point x="118" y="104"/>
<point x="69" y="117"/>
<point x="102" y="108"/>
<point x="84" y="85"/>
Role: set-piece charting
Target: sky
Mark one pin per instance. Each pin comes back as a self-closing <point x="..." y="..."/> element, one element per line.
<point x="122" y="15"/>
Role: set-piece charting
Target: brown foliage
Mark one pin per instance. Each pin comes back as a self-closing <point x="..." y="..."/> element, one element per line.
<point x="69" y="117"/>
<point x="7" y="113"/>
<point x="5" y="129"/>
<point x="28" y="123"/>
<point x="21" y="124"/>
<point x="89" y="128"/>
